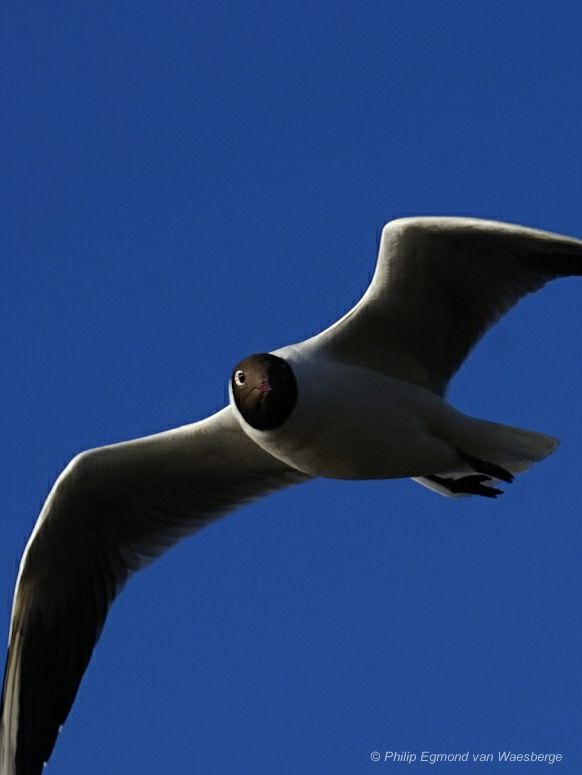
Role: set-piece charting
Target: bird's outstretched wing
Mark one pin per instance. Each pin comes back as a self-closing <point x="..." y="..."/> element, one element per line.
<point x="439" y="285"/>
<point x="111" y="511"/>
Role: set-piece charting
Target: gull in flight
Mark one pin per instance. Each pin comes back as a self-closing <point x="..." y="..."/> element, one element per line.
<point x="364" y="399"/>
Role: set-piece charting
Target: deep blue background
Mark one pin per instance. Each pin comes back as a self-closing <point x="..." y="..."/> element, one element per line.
<point x="183" y="184"/>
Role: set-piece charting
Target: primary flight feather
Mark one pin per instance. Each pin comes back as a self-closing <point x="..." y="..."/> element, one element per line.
<point x="361" y="400"/>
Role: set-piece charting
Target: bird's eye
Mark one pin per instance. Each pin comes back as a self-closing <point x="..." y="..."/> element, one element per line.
<point x="239" y="378"/>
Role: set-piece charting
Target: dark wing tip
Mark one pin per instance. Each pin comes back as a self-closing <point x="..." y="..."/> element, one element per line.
<point x="556" y="263"/>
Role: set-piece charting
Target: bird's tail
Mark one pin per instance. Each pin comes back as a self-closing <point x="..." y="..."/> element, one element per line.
<point x="512" y="449"/>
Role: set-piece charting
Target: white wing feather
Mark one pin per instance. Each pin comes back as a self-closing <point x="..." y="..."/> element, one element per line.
<point x="439" y="285"/>
<point x="111" y="511"/>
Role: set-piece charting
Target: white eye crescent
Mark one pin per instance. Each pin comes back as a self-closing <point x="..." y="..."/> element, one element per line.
<point x="239" y="378"/>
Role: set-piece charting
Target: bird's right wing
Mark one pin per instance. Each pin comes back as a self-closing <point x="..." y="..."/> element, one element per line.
<point x="112" y="510"/>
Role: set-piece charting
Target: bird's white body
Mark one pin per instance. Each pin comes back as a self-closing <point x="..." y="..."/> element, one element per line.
<point x="351" y="422"/>
<point x="356" y="423"/>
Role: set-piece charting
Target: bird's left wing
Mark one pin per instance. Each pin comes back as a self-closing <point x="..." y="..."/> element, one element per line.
<point x="439" y="285"/>
<point x="112" y="510"/>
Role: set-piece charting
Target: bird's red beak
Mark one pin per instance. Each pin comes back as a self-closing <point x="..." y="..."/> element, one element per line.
<point x="264" y="386"/>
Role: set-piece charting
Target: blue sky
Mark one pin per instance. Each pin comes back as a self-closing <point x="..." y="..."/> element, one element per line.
<point x="184" y="184"/>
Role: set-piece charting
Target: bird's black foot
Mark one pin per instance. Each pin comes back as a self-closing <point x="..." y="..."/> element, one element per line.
<point x="467" y="485"/>
<point x="484" y="467"/>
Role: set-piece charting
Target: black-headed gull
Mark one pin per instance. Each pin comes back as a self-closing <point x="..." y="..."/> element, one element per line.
<point x="361" y="400"/>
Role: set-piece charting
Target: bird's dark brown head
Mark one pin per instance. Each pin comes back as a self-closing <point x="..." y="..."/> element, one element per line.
<point x="264" y="389"/>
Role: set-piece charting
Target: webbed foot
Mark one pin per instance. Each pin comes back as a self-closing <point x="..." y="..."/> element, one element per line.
<point x="467" y="485"/>
<point x="485" y="467"/>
